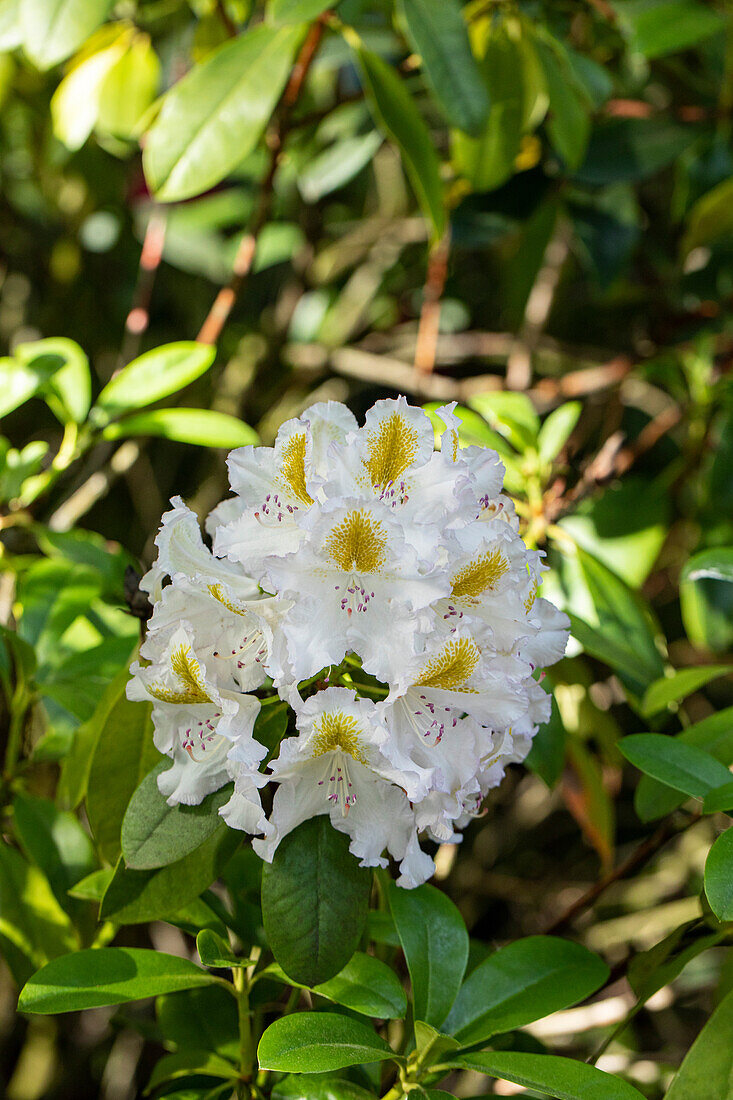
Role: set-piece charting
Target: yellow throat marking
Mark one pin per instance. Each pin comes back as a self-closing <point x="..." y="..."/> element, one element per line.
<point x="188" y="670"/>
<point x="480" y="575"/>
<point x="529" y="602"/>
<point x="358" y="543"/>
<point x="337" y="731"/>
<point x="292" y="472"/>
<point x="217" y="591"/>
<point x="452" y="667"/>
<point x="391" y="448"/>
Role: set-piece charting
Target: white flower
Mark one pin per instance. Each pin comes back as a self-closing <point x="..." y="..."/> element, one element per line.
<point x="352" y="554"/>
<point x="276" y="485"/>
<point x="336" y="766"/>
<point x="207" y="731"/>
<point x="354" y="584"/>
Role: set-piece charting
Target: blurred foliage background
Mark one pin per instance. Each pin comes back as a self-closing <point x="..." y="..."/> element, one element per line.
<point x="525" y="207"/>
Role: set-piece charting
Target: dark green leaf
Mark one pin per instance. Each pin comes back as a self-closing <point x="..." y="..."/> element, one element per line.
<point x="319" y="1088"/>
<point x="107" y="976"/>
<point x="396" y="115"/>
<point x="365" y="985"/>
<point x="710" y="219"/>
<point x="631" y="149"/>
<point x="200" y="1019"/>
<point x="435" y="942"/>
<point x="547" y="755"/>
<point x="156" y="374"/>
<point x="707" y="1070"/>
<point x="216" y="952"/>
<point x="563" y="1078"/>
<point x="568" y="123"/>
<point x="671" y="761"/>
<point x="155" y="834"/>
<point x="660" y="27"/>
<point x="719" y="799"/>
<point x="316" y="1042"/>
<point x="437" y="32"/>
<point x="135" y="897"/>
<point x="521" y="983"/>
<point x="123" y="755"/>
<point x="312" y="927"/>
<point x="719" y="876"/>
<point x="214" y="117"/>
<point x="715" y="736"/>
<point x="200" y="427"/>
<point x="337" y="165"/>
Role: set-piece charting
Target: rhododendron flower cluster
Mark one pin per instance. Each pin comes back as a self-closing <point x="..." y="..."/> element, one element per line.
<point x="379" y="588"/>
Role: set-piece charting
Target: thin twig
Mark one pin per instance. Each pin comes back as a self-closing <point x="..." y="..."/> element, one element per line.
<point x="138" y="318"/>
<point x="641" y="855"/>
<point x="426" y="345"/>
<point x="227" y="296"/>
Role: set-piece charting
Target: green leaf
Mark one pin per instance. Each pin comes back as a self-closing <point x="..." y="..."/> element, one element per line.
<point x="563" y="1078"/>
<point x="107" y="976"/>
<point x="318" y="1088"/>
<point x="511" y="414"/>
<point x="488" y="160"/>
<point x="128" y="88"/>
<point x="30" y="916"/>
<point x="69" y="390"/>
<point x="135" y="897"/>
<point x="297" y="11"/>
<point x="622" y="635"/>
<point x="547" y="755"/>
<point x="661" y="27"/>
<point x="365" y="985"/>
<point x="684" y="767"/>
<point x="92" y="887"/>
<point x="523" y="982"/>
<point x="53" y="29"/>
<point x="624" y="528"/>
<point x="435" y="943"/>
<point x="713" y="734"/>
<point x="316" y="1042"/>
<point x="201" y="427"/>
<point x="18" y="383"/>
<point x="683" y="682"/>
<point x="155" y="834"/>
<point x="76" y="767"/>
<point x="437" y="32"/>
<point x="719" y="799"/>
<point x="706" y="598"/>
<point x="55" y="840"/>
<point x="396" y="115"/>
<point x="314" y="902"/>
<point x="556" y="430"/>
<point x="154" y="375"/>
<point x="199" y="1019"/>
<point x="216" y="952"/>
<point x="75" y="103"/>
<point x="707" y="1070"/>
<point x="192" y="1063"/>
<point x="719" y="876"/>
<point x="710" y="219"/>
<point x="337" y="165"/>
<point x="123" y="755"/>
<point x="632" y="149"/>
<point x="568" y="122"/>
<point x="214" y="117"/>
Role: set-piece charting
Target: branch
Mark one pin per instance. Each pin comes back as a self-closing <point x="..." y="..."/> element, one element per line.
<point x="641" y="855"/>
<point x="426" y="345"/>
<point x="138" y="318"/>
<point x="227" y="296"/>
